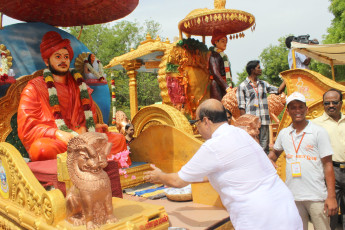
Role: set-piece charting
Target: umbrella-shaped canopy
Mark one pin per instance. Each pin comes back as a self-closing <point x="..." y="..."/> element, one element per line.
<point x="204" y="22"/>
<point x="68" y="12"/>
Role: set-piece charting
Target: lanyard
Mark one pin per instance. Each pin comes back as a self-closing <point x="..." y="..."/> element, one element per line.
<point x="299" y="145"/>
<point x="256" y="91"/>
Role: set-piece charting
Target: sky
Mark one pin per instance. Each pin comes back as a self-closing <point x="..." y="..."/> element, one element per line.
<point x="274" y="19"/>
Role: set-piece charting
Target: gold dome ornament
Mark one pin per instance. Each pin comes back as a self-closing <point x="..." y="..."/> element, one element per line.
<point x="204" y="22"/>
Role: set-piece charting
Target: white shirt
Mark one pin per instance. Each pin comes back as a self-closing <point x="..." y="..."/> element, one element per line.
<point x="300" y="58"/>
<point x="314" y="146"/>
<point x="245" y="179"/>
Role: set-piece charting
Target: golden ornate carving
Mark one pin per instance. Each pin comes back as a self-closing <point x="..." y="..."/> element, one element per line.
<point x="146" y="47"/>
<point x="193" y="75"/>
<point x="9" y="103"/>
<point x="26" y="202"/>
<point x="160" y="114"/>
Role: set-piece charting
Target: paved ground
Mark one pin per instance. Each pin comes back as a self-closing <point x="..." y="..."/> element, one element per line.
<point x="311" y="227"/>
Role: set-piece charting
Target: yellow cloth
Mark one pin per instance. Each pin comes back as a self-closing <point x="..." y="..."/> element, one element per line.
<point x="336" y="132"/>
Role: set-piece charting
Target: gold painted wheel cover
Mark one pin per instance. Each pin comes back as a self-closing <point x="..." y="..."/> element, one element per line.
<point x="160" y="114"/>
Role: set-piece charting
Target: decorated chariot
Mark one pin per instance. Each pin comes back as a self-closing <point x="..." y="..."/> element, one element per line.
<point x="184" y="82"/>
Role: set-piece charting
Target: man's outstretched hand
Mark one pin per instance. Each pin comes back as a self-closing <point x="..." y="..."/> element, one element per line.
<point x="153" y="176"/>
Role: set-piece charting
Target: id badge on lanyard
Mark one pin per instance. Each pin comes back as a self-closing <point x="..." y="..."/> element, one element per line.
<point x="296" y="166"/>
<point x="296" y="169"/>
<point x="256" y="102"/>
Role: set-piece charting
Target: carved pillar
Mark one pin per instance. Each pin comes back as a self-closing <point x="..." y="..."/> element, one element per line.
<point x="131" y="67"/>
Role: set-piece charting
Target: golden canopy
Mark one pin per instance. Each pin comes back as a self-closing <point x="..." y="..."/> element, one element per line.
<point x="204" y="22"/>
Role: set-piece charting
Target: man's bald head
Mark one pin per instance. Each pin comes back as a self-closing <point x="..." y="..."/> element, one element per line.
<point x="213" y="110"/>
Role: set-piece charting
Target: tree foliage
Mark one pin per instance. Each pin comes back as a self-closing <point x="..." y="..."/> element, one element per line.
<point x="336" y="34"/>
<point x="273" y="60"/>
<point x="274" y="57"/>
<point x="242" y="76"/>
<point x="110" y="40"/>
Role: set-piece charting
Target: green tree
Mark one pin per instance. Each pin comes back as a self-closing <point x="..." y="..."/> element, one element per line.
<point x="336" y="34"/>
<point x="110" y="40"/>
<point x="274" y="60"/>
<point x="242" y="76"/>
<point x="336" y="31"/>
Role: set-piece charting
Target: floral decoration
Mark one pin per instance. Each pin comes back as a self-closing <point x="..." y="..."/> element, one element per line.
<point x="54" y="101"/>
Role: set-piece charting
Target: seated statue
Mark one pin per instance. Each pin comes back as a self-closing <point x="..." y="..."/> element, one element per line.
<point x="93" y="68"/>
<point x="57" y="106"/>
<point x="3" y="66"/>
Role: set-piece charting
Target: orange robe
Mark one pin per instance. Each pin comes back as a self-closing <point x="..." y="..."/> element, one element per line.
<point x="36" y="123"/>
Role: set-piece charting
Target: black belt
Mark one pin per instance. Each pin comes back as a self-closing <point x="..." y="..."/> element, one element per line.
<point x="339" y="165"/>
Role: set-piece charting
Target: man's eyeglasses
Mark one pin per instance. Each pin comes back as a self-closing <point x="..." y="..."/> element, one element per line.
<point x="327" y="103"/>
<point x="193" y="122"/>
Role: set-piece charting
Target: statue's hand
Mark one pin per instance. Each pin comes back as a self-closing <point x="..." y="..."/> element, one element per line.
<point x="101" y="128"/>
<point x="63" y="136"/>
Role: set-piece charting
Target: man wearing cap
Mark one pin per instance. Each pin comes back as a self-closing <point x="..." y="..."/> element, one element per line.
<point x="58" y="105"/>
<point x="309" y="169"/>
<point x="252" y="99"/>
<point x="238" y="170"/>
<point x="219" y="67"/>
<point x="334" y="122"/>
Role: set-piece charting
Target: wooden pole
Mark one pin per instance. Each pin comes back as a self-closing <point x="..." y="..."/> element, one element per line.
<point x="293" y="60"/>
<point x="1" y="21"/>
<point x="333" y="74"/>
<point x="81" y="30"/>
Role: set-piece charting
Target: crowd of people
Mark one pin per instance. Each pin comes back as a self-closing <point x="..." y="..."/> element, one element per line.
<point x="58" y="105"/>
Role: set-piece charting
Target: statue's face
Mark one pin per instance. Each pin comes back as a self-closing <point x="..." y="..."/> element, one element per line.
<point x="59" y="62"/>
<point x="221" y="43"/>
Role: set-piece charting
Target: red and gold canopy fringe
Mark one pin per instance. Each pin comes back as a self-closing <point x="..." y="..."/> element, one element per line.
<point x="68" y="13"/>
<point x="204" y="22"/>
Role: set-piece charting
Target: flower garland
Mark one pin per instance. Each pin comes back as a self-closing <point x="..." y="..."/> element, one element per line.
<point x="113" y="98"/>
<point x="54" y="101"/>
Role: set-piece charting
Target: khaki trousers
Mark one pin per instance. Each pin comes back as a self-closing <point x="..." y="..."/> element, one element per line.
<point x="314" y="209"/>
